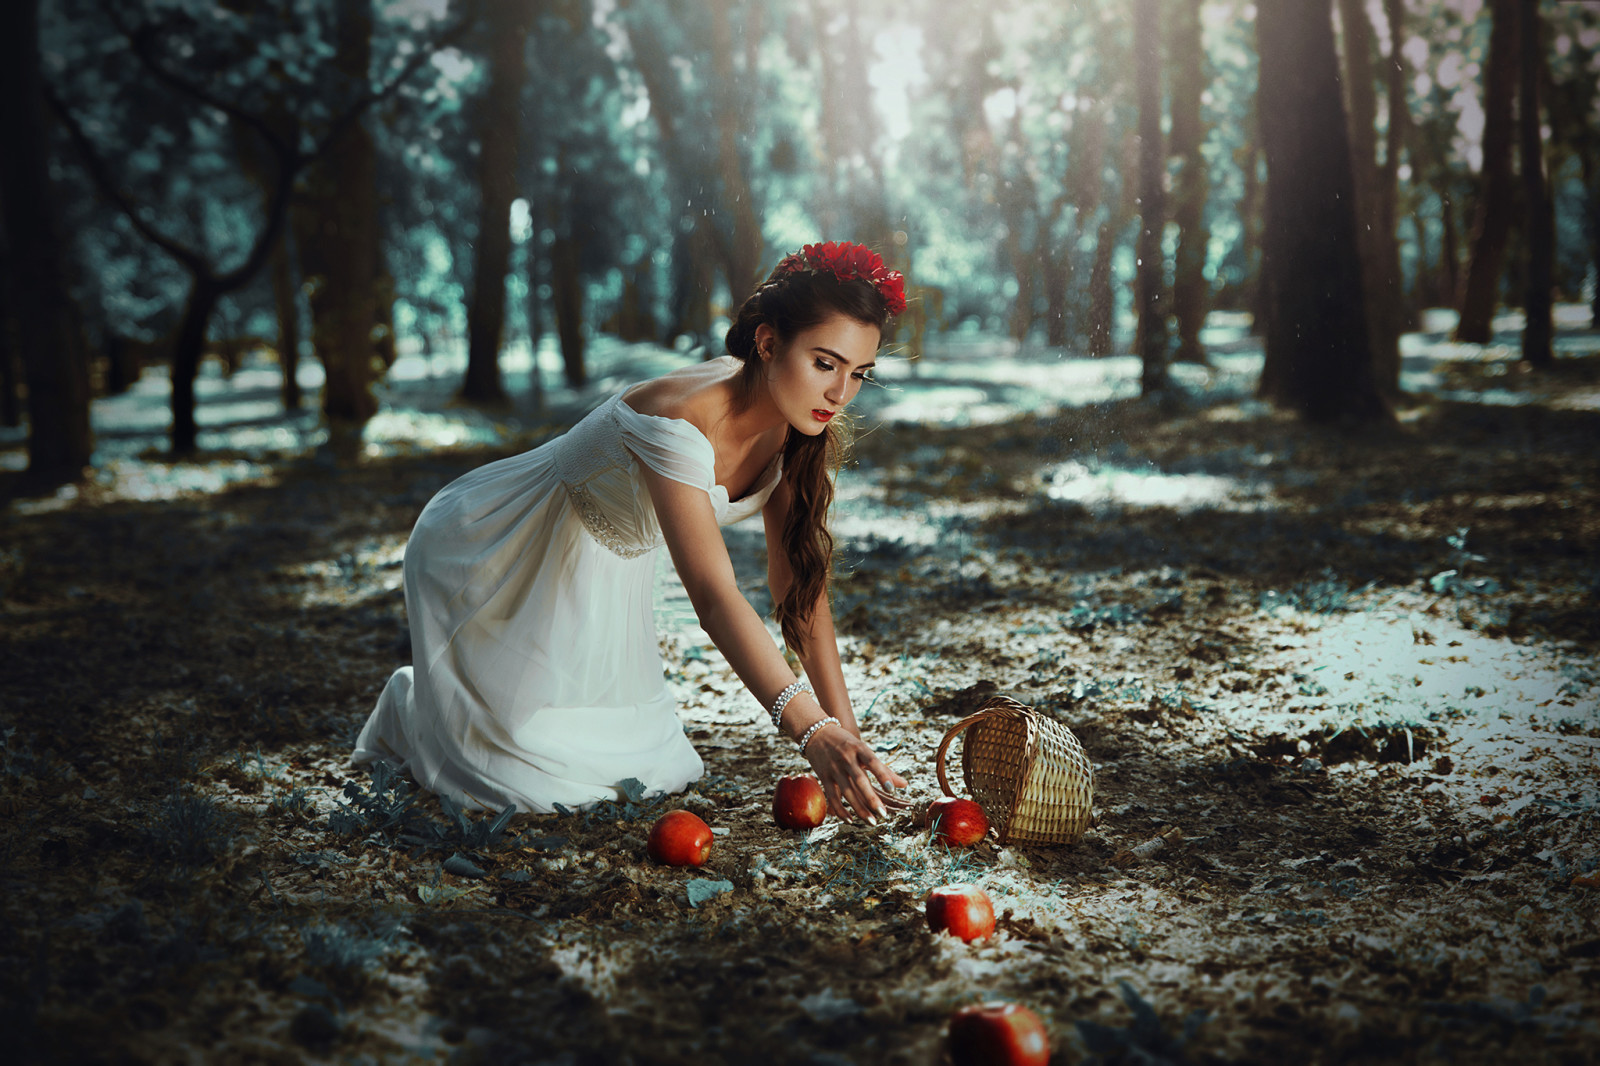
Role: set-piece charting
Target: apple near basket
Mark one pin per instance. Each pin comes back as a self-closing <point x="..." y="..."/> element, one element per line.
<point x="1028" y="773"/>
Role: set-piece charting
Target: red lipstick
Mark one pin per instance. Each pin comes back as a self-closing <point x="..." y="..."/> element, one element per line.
<point x="820" y="415"/>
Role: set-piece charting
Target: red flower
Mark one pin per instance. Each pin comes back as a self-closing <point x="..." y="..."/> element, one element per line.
<point x="892" y="287"/>
<point x="849" y="262"/>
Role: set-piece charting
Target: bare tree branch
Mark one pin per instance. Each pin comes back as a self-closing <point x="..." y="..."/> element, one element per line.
<point x="192" y="260"/>
<point x="447" y="37"/>
<point x="139" y="40"/>
<point x="288" y="154"/>
<point x="277" y="209"/>
<point x="1057" y="207"/>
<point x="290" y="160"/>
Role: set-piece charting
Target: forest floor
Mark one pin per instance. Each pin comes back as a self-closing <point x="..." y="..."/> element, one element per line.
<point x="1351" y="679"/>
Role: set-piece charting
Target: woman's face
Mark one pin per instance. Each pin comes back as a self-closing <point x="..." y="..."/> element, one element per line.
<point x="820" y="371"/>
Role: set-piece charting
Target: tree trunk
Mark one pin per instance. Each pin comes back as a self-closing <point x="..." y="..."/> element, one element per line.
<point x="122" y="364"/>
<point x="1057" y="276"/>
<point x="694" y="243"/>
<point x="1492" y="218"/>
<point x="1102" y="297"/>
<point x="262" y="166"/>
<point x="1449" y="249"/>
<point x="1425" y="280"/>
<point x="1395" y="138"/>
<point x="1012" y="212"/>
<point x="508" y="23"/>
<point x="1152" y="201"/>
<point x="692" y="274"/>
<point x="1380" y="280"/>
<point x="288" y="314"/>
<point x="1541" y="236"/>
<point x="188" y="347"/>
<point x="384" y="341"/>
<point x="1190" y="290"/>
<point x="1594" y="246"/>
<point x="535" y="320"/>
<point x="1591" y="184"/>
<point x="567" y="294"/>
<point x="1021" y="318"/>
<point x="336" y="219"/>
<point x="1088" y="188"/>
<point x="741" y="248"/>
<point x="851" y="198"/>
<point x="1318" y="356"/>
<point x="636" y="322"/>
<point x="1569" y="116"/>
<point x="1101" y="333"/>
<point x="10" y="373"/>
<point x="60" y="441"/>
<point x="1250" y="221"/>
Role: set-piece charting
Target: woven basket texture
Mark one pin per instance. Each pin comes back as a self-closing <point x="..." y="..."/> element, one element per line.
<point x="1028" y="773"/>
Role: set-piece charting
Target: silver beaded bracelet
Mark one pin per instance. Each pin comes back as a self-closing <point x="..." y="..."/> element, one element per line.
<point x="806" y="737"/>
<point x="785" y="696"/>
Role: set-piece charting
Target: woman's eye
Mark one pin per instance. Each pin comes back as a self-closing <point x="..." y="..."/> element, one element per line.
<point x="824" y="365"/>
<point x="861" y="376"/>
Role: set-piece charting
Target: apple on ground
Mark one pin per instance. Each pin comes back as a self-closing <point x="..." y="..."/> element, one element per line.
<point x="798" y="802"/>
<point x="957" y="821"/>
<point x="961" y="910"/>
<point x="998" y="1034"/>
<point x="680" y="838"/>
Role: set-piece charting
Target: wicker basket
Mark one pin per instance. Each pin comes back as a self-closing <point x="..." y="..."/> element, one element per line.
<point x="1028" y="773"/>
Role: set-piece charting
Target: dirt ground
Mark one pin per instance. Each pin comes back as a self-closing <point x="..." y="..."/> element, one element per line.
<point x="1348" y="678"/>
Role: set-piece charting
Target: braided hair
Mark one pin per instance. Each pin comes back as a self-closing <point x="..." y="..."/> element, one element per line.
<point x="791" y="301"/>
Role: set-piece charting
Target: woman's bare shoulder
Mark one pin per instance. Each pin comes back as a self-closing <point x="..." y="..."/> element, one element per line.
<point x="698" y="394"/>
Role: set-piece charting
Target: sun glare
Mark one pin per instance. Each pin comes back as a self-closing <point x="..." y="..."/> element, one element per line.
<point x="895" y="75"/>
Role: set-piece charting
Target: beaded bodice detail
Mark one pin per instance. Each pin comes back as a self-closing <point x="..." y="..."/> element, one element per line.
<point x="603" y="479"/>
<point x="593" y="446"/>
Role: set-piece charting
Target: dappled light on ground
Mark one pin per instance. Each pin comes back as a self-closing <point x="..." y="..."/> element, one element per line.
<point x="1074" y="482"/>
<point x="1345" y="720"/>
<point x="977" y="385"/>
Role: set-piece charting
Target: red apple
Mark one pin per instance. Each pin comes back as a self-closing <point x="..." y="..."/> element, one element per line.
<point x="957" y="821"/>
<point x="798" y="803"/>
<point x="998" y="1034"/>
<point x="961" y="910"/>
<point x="680" y="838"/>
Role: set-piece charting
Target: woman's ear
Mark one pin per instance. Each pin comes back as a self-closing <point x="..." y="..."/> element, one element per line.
<point x="766" y="341"/>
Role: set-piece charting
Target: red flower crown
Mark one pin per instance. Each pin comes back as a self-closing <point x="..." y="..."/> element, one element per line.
<point x="848" y="262"/>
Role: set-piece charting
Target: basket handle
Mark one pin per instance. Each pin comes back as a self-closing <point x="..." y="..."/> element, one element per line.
<point x="944" y="746"/>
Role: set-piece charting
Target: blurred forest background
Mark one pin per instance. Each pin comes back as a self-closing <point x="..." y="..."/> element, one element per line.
<point x="487" y="179"/>
<point x="1243" y="420"/>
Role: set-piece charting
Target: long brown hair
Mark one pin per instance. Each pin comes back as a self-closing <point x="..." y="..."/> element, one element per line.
<point x="790" y="302"/>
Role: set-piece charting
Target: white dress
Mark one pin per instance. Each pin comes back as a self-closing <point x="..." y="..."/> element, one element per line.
<point x="536" y="677"/>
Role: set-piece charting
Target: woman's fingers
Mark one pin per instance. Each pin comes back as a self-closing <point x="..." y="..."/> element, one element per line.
<point x="835" y="793"/>
<point x="865" y="804"/>
<point x="886" y="776"/>
<point x="842" y="795"/>
<point x="849" y="787"/>
<point x="854" y="797"/>
<point x="865" y="794"/>
<point x="891" y="801"/>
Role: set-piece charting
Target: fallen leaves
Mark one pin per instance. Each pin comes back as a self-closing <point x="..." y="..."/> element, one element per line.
<point x="1145" y="849"/>
<point x="1383" y="846"/>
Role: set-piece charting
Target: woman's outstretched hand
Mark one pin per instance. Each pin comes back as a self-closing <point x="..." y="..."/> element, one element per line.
<point x="846" y="767"/>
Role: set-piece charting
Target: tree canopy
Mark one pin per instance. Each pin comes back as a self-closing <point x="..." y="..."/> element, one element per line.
<point x="1032" y="166"/>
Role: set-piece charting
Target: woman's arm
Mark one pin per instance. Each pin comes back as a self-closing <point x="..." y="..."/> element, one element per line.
<point x="842" y="762"/>
<point x="821" y="655"/>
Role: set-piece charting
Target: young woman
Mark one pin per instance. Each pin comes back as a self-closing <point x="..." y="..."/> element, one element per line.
<point x="537" y="677"/>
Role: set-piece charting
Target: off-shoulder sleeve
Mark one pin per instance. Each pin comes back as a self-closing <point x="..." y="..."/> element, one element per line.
<point x="671" y="447"/>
